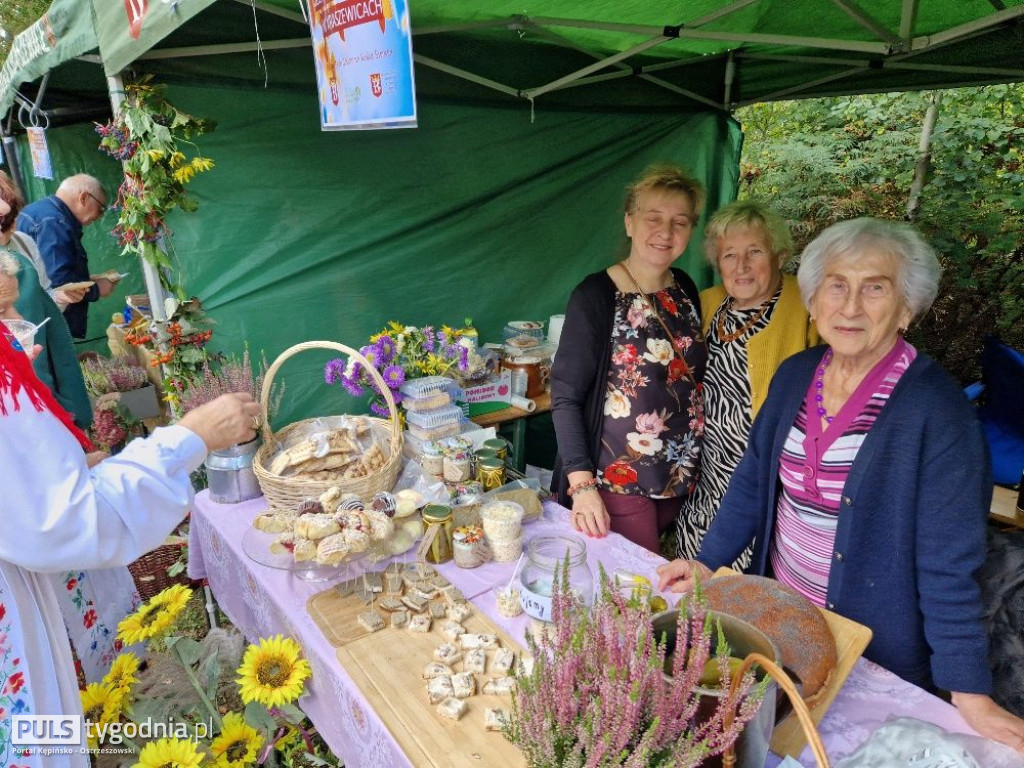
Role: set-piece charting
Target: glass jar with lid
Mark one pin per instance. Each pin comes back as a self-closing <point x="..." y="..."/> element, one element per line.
<point x="438" y="534"/>
<point x="545" y="557"/>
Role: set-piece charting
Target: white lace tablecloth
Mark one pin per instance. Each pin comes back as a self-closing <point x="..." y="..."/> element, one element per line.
<point x="262" y="601"/>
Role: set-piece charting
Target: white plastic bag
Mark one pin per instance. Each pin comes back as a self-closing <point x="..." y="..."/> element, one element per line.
<point x="908" y="743"/>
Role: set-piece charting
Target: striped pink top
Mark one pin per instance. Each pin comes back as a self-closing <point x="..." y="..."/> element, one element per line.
<point x="813" y="469"/>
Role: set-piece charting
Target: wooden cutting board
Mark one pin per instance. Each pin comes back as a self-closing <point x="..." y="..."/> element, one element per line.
<point x="851" y="640"/>
<point x="387" y="667"/>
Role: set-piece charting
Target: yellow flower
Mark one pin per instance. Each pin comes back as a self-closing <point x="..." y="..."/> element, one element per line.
<point x="122" y="672"/>
<point x="272" y="672"/>
<point x="184" y="174"/>
<point x="155" y="154"/>
<point x="201" y="164"/>
<point x="170" y="753"/>
<point x="154" y="617"/>
<point x="176" y="159"/>
<point x="237" y="745"/>
<point x="101" y="704"/>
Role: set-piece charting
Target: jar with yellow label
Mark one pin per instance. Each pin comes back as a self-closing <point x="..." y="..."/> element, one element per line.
<point x="491" y="473"/>
<point x="438" y="521"/>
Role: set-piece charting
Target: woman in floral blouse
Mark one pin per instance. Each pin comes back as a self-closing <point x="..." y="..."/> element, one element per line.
<point x="625" y="392"/>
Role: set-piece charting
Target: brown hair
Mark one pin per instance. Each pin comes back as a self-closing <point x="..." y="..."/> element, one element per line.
<point x="10" y="195"/>
<point x="666" y="177"/>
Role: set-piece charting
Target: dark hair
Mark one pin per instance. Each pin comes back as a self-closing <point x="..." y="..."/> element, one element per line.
<point x="9" y="194"/>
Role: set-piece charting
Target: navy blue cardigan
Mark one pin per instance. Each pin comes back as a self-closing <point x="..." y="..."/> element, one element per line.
<point x="911" y="529"/>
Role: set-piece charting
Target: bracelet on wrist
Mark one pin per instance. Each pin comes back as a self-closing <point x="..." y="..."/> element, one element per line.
<point x="583" y="485"/>
<point x="584" y="490"/>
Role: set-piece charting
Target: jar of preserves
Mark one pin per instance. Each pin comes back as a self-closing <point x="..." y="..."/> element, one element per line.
<point x="456" y="466"/>
<point x="432" y="459"/>
<point x="491" y="473"/>
<point x="437" y="537"/>
<point x="545" y="558"/>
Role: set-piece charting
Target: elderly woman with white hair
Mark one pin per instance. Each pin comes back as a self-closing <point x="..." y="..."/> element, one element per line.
<point x="865" y="485"/>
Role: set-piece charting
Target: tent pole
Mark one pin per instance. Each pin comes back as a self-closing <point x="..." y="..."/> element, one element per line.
<point x="115" y="86"/>
<point x="924" y="156"/>
<point x="11" y="153"/>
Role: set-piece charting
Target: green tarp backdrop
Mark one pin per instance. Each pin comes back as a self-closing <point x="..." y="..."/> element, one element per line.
<point x="533" y="118"/>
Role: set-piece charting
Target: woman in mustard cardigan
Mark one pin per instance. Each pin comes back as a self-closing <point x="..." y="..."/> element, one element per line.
<point x="753" y="321"/>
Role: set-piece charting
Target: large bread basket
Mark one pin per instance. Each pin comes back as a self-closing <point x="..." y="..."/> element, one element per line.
<point x="290" y="492"/>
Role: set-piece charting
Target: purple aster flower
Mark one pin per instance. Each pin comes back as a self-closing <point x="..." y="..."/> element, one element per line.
<point x="388" y="348"/>
<point x="372" y="353"/>
<point x="334" y="370"/>
<point x="397" y="395"/>
<point x="442" y="337"/>
<point x="380" y="410"/>
<point x="463" y="358"/>
<point x="428" y="335"/>
<point x="352" y="386"/>
<point x="394" y="376"/>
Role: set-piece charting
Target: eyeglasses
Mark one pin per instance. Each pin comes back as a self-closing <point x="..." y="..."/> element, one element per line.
<point x="103" y="207"/>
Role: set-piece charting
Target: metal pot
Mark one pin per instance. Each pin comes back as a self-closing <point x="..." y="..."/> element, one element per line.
<point x="229" y="473"/>
<point x="743" y="638"/>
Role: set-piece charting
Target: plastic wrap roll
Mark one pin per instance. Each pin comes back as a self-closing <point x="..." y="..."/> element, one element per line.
<point x="523" y="403"/>
<point x="555" y="328"/>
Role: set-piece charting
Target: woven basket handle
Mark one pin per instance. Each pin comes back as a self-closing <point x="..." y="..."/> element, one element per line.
<point x="268" y="384"/>
<point x="799" y="708"/>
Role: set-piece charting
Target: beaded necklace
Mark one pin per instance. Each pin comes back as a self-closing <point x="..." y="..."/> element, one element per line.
<point x="819" y="385"/>
<point x="727" y="338"/>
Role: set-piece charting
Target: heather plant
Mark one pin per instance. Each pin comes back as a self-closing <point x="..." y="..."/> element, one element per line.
<point x="119" y="374"/>
<point x="230" y="375"/>
<point x="596" y="695"/>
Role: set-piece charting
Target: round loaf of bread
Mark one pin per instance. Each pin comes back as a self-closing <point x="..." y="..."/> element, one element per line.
<point x="796" y="626"/>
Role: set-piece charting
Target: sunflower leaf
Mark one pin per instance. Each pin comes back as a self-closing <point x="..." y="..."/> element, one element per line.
<point x="292" y="712"/>
<point x="188" y="650"/>
<point x="259" y="717"/>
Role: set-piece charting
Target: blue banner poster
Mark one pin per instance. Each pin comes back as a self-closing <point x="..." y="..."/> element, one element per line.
<point x="363" y="54"/>
<point x="40" y="151"/>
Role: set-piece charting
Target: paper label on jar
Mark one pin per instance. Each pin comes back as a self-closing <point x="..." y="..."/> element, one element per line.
<point x="537" y="606"/>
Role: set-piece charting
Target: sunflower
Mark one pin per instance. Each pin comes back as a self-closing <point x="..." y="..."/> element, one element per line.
<point x="170" y="753"/>
<point x="153" y="617"/>
<point x="238" y="744"/>
<point x="122" y="672"/>
<point x="101" y="705"/>
<point x="272" y="672"/>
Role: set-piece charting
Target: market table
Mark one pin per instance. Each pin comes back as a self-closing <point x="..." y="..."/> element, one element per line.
<point x="261" y="601"/>
<point x="517" y="417"/>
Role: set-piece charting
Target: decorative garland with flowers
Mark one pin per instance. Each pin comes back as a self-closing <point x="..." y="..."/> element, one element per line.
<point x="147" y="136"/>
<point x="401" y="352"/>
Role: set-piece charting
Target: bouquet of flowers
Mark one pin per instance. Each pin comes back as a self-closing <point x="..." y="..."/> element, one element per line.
<point x="112" y="426"/>
<point x="597" y="695"/>
<point x="401" y="352"/>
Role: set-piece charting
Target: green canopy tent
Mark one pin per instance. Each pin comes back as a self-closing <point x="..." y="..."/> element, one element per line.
<point x="531" y="120"/>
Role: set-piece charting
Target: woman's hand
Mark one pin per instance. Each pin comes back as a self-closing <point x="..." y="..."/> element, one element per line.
<point x="990" y="720"/>
<point x="95" y="457"/>
<point x="680" y="575"/>
<point x="228" y="420"/>
<point x="588" y="513"/>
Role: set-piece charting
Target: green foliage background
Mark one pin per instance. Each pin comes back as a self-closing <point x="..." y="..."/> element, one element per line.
<point x="824" y="160"/>
<point x="15" y="15"/>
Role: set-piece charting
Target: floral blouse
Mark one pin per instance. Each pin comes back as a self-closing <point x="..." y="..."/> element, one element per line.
<point x="654" y="410"/>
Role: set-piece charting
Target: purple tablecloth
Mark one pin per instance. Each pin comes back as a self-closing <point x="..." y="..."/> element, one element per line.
<point x="263" y="601"/>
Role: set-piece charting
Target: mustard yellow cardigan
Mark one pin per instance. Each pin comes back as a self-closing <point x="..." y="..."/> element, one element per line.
<point x="789" y="331"/>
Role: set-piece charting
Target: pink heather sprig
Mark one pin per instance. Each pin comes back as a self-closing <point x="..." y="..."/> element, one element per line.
<point x="596" y="695"/>
<point x="230" y="376"/>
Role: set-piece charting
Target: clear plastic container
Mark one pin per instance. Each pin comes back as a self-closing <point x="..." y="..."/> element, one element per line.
<point x="426" y="386"/>
<point x="438" y="417"/>
<point x="433" y="433"/>
<point x="428" y="403"/>
<point x="502" y="520"/>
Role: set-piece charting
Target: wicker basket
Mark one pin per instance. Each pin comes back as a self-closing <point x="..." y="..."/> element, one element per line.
<point x="149" y="572"/>
<point x="290" y="492"/>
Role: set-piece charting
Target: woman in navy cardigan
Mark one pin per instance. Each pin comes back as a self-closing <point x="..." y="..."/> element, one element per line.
<point x="865" y="485"/>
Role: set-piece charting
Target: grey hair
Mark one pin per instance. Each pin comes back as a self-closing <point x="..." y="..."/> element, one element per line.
<point x="9" y="264"/>
<point x="82" y="182"/>
<point x="919" y="272"/>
